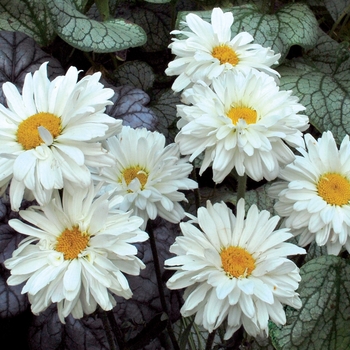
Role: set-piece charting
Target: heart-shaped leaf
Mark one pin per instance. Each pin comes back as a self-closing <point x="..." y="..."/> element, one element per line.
<point x="90" y="35"/>
<point x="323" y="322"/>
<point x="47" y="332"/>
<point x="29" y="17"/>
<point x="135" y="73"/>
<point x="165" y="109"/>
<point x="19" y="55"/>
<point x="322" y="82"/>
<point x="154" y="19"/>
<point x="12" y="302"/>
<point x="337" y="8"/>
<point x="293" y="24"/>
<point x="129" y="105"/>
<point x="314" y="251"/>
<point x="9" y="240"/>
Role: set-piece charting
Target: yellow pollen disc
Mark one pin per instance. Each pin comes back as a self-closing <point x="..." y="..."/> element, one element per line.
<point x="71" y="242"/>
<point x="237" y="262"/>
<point x="225" y="55"/>
<point x="246" y="113"/>
<point x="27" y="133"/>
<point x="334" y="189"/>
<point x="129" y="174"/>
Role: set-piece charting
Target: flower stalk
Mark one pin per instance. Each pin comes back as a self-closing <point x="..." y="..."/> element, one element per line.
<point x="108" y="329"/>
<point x="160" y="283"/>
<point x="241" y="186"/>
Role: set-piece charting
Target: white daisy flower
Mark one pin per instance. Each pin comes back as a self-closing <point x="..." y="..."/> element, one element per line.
<point x="48" y="136"/>
<point x="76" y="253"/>
<point x="147" y="174"/>
<point x="210" y="50"/>
<point x="244" y="122"/>
<point x="314" y="199"/>
<point x="235" y="269"/>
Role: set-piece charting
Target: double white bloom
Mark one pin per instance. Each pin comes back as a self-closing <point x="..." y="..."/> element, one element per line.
<point x="314" y="199"/>
<point x="50" y="134"/>
<point x="210" y="51"/>
<point x="235" y="269"/>
<point x="76" y="253"/>
<point x="147" y="174"/>
<point x="244" y="122"/>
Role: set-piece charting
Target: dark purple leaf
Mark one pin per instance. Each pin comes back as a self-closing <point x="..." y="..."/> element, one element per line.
<point x="19" y="55"/>
<point x="136" y="73"/>
<point x="47" y="332"/>
<point x="9" y="240"/>
<point x="3" y="209"/>
<point x="129" y="105"/>
<point x="165" y="109"/>
<point x="133" y="314"/>
<point x="154" y="19"/>
<point x="12" y="302"/>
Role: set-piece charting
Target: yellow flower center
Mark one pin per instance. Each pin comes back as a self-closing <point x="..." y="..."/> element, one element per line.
<point x="131" y="173"/>
<point x="246" y="113"/>
<point x="237" y="262"/>
<point x="71" y="242"/>
<point x="27" y="133"/>
<point x="334" y="188"/>
<point x="225" y="54"/>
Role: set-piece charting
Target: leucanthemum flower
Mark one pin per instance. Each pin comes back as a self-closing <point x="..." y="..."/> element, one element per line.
<point x="244" y="122"/>
<point x="48" y="136"/>
<point x="210" y="50"/>
<point x="314" y="199"/>
<point x="76" y="253"/>
<point x="235" y="269"/>
<point x="147" y="174"/>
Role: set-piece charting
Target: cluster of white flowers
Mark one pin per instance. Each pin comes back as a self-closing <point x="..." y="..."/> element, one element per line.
<point x="56" y="136"/>
<point x="234" y="270"/>
<point x="235" y="267"/>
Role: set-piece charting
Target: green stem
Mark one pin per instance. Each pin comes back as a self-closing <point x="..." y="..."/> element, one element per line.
<point x="241" y="186"/>
<point x="173" y="4"/>
<point x="116" y="330"/>
<point x="108" y="329"/>
<point x="210" y="340"/>
<point x="103" y="9"/>
<point x="156" y="263"/>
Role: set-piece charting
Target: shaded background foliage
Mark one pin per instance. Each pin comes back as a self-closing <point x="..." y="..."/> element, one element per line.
<point x="127" y="41"/>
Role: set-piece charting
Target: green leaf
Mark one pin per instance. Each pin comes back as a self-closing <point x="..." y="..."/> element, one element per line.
<point x="323" y="322"/>
<point x="337" y="8"/>
<point x="135" y="73"/>
<point x="321" y="80"/>
<point x="80" y="4"/>
<point x="29" y="17"/>
<point x="90" y="35"/>
<point x="259" y="343"/>
<point x="258" y="196"/>
<point x="294" y="24"/>
<point x="261" y="198"/>
<point x="314" y="251"/>
<point x="184" y="339"/>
